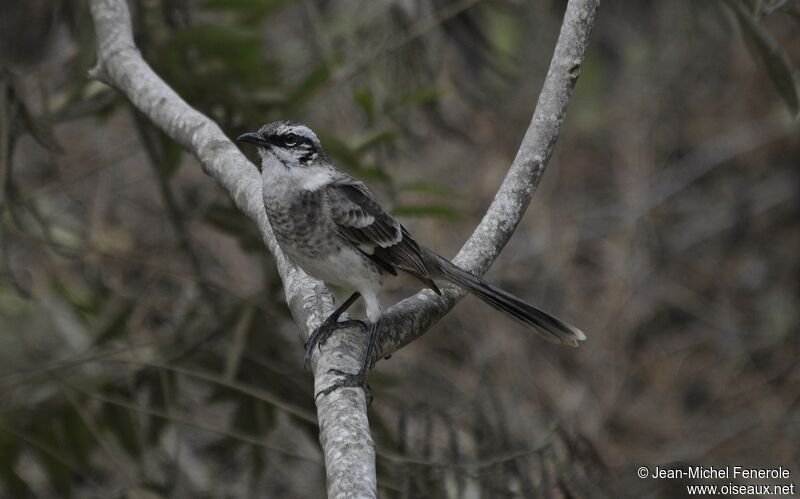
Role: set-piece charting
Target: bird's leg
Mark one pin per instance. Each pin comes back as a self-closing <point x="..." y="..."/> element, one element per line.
<point x="358" y="379"/>
<point x="321" y="334"/>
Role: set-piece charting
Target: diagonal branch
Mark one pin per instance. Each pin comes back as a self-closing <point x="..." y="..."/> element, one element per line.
<point x="412" y="317"/>
<point x="344" y="429"/>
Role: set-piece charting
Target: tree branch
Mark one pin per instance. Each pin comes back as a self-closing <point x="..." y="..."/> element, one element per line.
<point x="412" y="317"/>
<point x="344" y="430"/>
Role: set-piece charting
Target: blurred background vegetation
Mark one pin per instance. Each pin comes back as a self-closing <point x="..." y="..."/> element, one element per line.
<point x="145" y="347"/>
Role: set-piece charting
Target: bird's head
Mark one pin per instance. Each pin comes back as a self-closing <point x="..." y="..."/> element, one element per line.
<point x="293" y="144"/>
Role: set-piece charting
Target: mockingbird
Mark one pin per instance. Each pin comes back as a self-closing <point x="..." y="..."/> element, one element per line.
<point x="330" y="225"/>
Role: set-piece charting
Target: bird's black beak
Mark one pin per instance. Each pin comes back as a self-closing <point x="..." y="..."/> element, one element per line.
<point x="252" y="138"/>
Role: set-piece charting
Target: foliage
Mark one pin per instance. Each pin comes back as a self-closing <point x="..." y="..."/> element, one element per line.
<point x="767" y="51"/>
<point x="147" y="352"/>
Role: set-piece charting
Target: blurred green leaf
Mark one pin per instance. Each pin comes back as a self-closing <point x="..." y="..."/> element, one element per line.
<point x="253" y="417"/>
<point x="366" y="101"/>
<point x="114" y="320"/>
<point x="219" y="40"/>
<point x="371" y="172"/>
<point x="375" y="139"/>
<point x="58" y="473"/>
<point x="306" y="88"/>
<point x="218" y="54"/>
<point x="767" y="51"/>
<point x="504" y="40"/>
<point x="247" y="11"/>
<point x="428" y="210"/>
<point x="422" y="96"/>
<point x="349" y="158"/>
<point x="161" y="386"/>
<point x="47" y="432"/>
<point x="79" y="296"/>
<point x="120" y="422"/>
<point x="75" y="436"/>
<point x="13" y="483"/>
<point x="87" y="49"/>
<point x="144" y="492"/>
<point x="342" y="153"/>
<point x="172" y="156"/>
<point x="257" y="460"/>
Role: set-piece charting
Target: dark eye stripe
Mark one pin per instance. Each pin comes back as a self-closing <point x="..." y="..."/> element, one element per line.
<point x="292" y="140"/>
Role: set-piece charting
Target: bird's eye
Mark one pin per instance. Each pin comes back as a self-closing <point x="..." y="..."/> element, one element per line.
<point x="290" y="140"/>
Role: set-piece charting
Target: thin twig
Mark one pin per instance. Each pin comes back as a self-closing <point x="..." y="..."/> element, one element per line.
<point x="187" y="421"/>
<point x="252" y="391"/>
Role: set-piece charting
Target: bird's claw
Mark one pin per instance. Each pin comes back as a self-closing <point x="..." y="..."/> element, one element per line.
<point x="321" y="334"/>
<point x="348" y="380"/>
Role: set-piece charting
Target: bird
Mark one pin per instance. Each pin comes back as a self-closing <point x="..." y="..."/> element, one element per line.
<point x="330" y="225"/>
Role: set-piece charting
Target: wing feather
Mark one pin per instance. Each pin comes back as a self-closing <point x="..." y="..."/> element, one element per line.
<point x="362" y="221"/>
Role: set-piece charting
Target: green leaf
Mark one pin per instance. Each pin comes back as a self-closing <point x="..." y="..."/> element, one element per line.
<point x="428" y="210"/>
<point x="87" y="46"/>
<point x="58" y="473"/>
<point x="144" y="492"/>
<point x="114" y="320"/>
<point x="767" y="51"/>
<point x="119" y="422"/>
<point x="344" y="155"/>
<point x="216" y="39"/>
<point x="257" y="461"/>
<point x="14" y="484"/>
<point x="223" y="55"/>
<point x="75" y="436"/>
<point x="245" y="417"/>
<point x="172" y="156"/>
<point x="78" y="296"/>
<point x="162" y="385"/>
<point x="366" y="101"/>
<point x="371" y="172"/>
<point x="306" y="88"/>
<point x="375" y="139"/>
<point x="46" y="433"/>
<point x="506" y="31"/>
<point x="247" y="11"/>
<point x="223" y="394"/>
<point x="422" y="96"/>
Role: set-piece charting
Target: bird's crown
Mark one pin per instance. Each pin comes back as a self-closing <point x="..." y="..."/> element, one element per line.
<point x="290" y="132"/>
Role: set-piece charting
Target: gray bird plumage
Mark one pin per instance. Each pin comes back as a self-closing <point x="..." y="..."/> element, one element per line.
<point x="331" y="225"/>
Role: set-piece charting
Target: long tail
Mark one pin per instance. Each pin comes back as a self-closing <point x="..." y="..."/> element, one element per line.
<point x="549" y="327"/>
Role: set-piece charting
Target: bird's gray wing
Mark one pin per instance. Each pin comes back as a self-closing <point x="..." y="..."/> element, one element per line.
<point x="362" y="221"/>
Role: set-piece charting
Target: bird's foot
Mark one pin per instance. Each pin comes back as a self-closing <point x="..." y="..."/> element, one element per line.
<point x="348" y="380"/>
<point x="323" y="332"/>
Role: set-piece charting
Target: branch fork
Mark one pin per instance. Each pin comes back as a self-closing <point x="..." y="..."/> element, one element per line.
<point x="344" y="428"/>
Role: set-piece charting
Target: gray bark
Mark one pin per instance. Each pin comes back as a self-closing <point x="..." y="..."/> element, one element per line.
<point x="412" y="317"/>
<point x="344" y="429"/>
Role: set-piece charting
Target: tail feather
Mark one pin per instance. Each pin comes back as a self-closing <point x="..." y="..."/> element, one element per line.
<point x="549" y="327"/>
